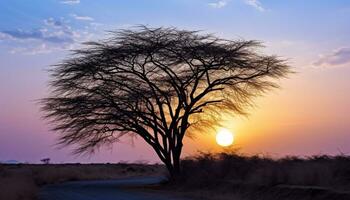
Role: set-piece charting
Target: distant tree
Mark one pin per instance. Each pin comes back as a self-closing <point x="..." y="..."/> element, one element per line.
<point x="156" y="83"/>
<point x="45" y="160"/>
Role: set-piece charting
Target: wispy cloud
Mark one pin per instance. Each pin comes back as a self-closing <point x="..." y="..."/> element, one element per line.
<point x="4" y="36"/>
<point x="70" y="2"/>
<point x="52" y="22"/>
<point x="42" y="48"/>
<point x="40" y="34"/>
<point x="255" y="4"/>
<point x="84" y="18"/>
<point x="218" y="4"/>
<point x="52" y="36"/>
<point x="338" y="57"/>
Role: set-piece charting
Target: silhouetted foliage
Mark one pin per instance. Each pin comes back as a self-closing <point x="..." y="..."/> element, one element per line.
<point x="230" y="174"/>
<point x="157" y="83"/>
<point x="45" y="160"/>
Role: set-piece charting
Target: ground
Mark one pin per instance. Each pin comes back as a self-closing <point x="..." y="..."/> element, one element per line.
<point x="105" y="189"/>
<point x="225" y="176"/>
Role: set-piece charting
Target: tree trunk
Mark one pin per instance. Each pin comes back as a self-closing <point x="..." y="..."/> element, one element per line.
<point x="176" y="163"/>
<point x="177" y="167"/>
<point x="174" y="170"/>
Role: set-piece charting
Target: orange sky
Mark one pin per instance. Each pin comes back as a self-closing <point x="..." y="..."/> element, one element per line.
<point x="309" y="114"/>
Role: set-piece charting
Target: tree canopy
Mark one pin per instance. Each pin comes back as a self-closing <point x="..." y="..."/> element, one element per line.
<point x="156" y="83"/>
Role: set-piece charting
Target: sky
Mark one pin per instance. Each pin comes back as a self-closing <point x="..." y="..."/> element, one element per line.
<point x="309" y="114"/>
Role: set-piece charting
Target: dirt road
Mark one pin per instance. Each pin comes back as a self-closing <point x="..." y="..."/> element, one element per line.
<point x="102" y="190"/>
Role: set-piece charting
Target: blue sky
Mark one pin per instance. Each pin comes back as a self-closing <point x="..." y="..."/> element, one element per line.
<point x="44" y="26"/>
<point x="312" y="34"/>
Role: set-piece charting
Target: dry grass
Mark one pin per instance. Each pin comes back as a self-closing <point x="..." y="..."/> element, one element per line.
<point x="225" y="176"/>
<point x="17" y="185"/>
<point x="21" y="181"/>
<point x="235" y="176"/>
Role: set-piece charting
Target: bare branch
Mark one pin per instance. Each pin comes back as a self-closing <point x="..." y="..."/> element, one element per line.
<point x="153" y="82"/>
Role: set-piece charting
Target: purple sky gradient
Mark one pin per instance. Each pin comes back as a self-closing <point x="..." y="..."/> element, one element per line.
<point x="310" y="114"/>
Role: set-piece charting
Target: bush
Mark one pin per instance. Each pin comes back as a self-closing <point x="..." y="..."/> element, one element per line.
<point x="208" y="169"/>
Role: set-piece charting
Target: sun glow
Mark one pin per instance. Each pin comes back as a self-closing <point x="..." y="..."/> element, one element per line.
<point x="224" y="137"/>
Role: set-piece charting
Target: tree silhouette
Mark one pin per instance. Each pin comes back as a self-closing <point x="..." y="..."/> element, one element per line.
<point x="156" y="83"/>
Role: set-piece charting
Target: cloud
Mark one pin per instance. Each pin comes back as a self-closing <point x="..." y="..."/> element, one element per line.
<point x="84" y="18"/>
<point x="70" y="2"/>
<point x="52" y="22"/>
<point x="255" y="4"/>
<point x="4" y="36"/>
<point x="42" y="48"/>
<point x="338" y="57"/>
<point x="218" y="4"/>
<point x="40" y="34"/>
<point x="53" y="35"/>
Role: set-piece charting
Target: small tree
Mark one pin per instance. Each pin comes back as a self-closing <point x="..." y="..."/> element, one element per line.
<point x="46" y="161"/>
<point x="156" y="83"/>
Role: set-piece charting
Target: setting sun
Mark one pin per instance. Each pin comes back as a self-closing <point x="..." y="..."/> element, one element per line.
<point x="224" y="137"/>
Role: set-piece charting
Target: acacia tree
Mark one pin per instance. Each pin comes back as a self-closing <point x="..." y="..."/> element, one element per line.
<point x="156" y="83"/>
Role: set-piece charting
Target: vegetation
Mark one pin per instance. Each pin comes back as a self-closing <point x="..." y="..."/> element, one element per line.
<point x="223" y="176"/>
<point x="22" y="181"/>
<point x="236" y="176"/>
<point x="156" y="83"/>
